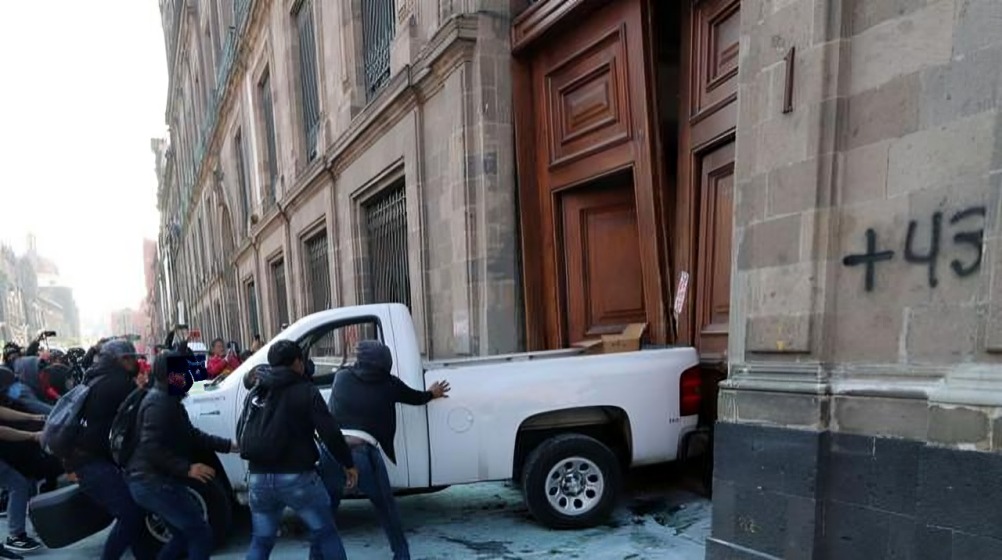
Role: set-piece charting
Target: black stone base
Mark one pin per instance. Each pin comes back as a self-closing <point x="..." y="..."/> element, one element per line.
<point x="794" y="494"/>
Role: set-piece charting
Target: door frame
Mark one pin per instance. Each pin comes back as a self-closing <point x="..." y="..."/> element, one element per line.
<point x="543" y="320"/>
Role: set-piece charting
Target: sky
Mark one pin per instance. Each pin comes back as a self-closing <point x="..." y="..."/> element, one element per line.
<point x="82" y="91"/>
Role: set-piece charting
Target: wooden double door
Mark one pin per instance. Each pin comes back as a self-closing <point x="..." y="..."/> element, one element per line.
<point x="617" y="196"/>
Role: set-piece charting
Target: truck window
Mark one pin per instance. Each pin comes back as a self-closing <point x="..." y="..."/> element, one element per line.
<point x="332" y="346"/>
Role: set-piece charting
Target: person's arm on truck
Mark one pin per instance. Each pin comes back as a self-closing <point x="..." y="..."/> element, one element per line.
<point x="413" y="397"/>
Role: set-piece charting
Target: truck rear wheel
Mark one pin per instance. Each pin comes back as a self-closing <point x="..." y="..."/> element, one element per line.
<point x="571" y="481"/>
<point x="216" y="507"/>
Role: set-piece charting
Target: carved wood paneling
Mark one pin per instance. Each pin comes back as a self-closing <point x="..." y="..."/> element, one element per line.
<point x="588" y="100"/>
<point x="716" y="32"/>
<point x="716" y="215"/>
<point x="601" y="254"/>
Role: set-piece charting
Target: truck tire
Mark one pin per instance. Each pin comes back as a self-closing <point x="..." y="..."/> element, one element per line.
<point x="217" y="509"/>
<point x="571" y="481"/>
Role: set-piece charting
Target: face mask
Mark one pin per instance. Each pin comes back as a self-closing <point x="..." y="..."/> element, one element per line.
<point x="14" y="392"/>
<point x="311" y="368"/>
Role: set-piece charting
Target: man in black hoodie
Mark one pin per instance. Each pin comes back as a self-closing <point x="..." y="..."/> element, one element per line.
<point x="110" y="381"/>
<point x="364" y="400"/>
<point x="162" y="460"/>
<point x="279" y="445"/>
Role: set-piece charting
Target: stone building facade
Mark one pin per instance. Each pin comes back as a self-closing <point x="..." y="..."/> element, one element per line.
<point x="861" y="416"/>
<point x="825" y="175"/>
<point x="331" y="153"/>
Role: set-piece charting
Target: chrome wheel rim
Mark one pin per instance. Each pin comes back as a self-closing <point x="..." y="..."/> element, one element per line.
<point x="159" y="528"/>
<point x="574" y="486"/>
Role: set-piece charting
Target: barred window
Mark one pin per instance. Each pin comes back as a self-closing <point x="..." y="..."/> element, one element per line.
<point x="318" y="274"/>
<point x="280" y="294"/>
<point x="268" y="116"/>
<point x="252" y="314"/>
<point x="387" y="269"/>
<point x="238" y="149"/>
<point x="308" y="82"/>
<point x="377" y="39"/>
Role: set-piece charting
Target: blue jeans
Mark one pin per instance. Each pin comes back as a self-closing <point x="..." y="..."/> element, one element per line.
<point x="174" y="503"/>
<point x="103" y="482"/>
<point x="19" y="489"/>
<point x="304" y="493"/>
<point x="374" y="482"/>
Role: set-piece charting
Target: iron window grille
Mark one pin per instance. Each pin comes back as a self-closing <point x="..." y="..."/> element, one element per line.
<point x="268" y="115"/>
<point x="252" y="314"/>
<point x="318" y="274"/>
<point x="377" y="39"/>
<point x="318" y="282"/>
<point x="387" y="269"/>
<point x="308" y="83"/>
<point x="238" y="148"/>
<point x="281" y="294"/>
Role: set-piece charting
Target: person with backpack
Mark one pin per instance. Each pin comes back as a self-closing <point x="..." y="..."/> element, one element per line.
<point x="276" y="435"/>
<point x="160" y="462"/>
<point x="364" y="400"/>
<point x="77" y="431"/>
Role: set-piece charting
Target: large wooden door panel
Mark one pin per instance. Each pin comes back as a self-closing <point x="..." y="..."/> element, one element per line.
<point x="706" y="154"/>
<point x="716" y="214"/>
<point x="601" y="254"/>
<point x="583" y="115"/>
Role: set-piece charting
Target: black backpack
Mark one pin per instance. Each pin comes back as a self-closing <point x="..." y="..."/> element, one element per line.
<point x="65" y="423"/>
<point x="124" y="434"/>
<point x="259" y="435"/>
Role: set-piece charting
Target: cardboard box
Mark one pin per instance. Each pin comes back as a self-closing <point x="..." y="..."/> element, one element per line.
<point x="589" y="346"/>
<point x="626" y="341"/>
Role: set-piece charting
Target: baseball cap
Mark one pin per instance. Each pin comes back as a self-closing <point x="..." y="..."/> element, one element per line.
<point x="118" y="349"/>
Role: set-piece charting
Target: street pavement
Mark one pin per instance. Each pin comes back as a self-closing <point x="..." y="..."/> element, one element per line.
<point x="659" y="520"/>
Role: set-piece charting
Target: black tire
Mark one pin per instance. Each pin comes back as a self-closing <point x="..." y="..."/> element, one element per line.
<point x="215" y="498"/>
<point x="583" y="460"/>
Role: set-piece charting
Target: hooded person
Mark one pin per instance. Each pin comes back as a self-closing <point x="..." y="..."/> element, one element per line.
<point x="111" y="379"/>
<point x="25" y="392"/>
<point x="283" y="414"/>
<point x="364" y="401"/>
<point x="163" y="459"/>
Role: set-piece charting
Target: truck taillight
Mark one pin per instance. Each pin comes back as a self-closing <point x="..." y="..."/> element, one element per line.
<point x="690" y="394"/>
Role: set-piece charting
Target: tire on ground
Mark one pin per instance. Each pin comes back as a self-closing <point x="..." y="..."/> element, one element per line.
<point x="560" y="449"/>
<point x="220" y="516"/>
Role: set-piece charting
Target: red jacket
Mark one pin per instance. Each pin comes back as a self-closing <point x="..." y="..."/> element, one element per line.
<point x="218" y="365"/>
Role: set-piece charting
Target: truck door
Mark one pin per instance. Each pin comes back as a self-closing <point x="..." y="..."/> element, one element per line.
<point x="332" y="347"/>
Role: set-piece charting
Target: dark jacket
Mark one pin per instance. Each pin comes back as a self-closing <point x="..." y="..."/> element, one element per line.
<point x="167" y="440"/>
<point x="365" y="396"/>
<point x="302" y="412"/>
<point x="109" y="384"/>
<point x="29" y="371"/>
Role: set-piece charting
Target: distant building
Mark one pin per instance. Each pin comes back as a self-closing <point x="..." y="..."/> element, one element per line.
<point x="33" y="297"/>
<point x="128" y="322"/>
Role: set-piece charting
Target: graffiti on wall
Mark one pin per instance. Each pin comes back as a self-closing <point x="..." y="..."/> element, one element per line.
<point x="923" y="247"/>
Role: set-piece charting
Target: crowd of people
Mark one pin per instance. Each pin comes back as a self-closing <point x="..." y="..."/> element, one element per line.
<point x="293" y="440"/>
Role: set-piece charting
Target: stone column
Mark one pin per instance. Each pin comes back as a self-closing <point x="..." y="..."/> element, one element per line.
<point x="865" y="345"/>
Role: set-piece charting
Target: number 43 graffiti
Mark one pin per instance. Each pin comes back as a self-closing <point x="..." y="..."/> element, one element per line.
<point x="973" y="239"/>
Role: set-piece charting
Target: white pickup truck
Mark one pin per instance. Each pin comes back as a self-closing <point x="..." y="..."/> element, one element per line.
<point x="562" y="425"/>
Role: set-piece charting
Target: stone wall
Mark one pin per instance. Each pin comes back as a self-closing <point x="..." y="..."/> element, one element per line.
<point x="862" y="409"/>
